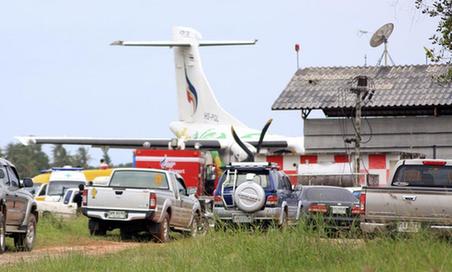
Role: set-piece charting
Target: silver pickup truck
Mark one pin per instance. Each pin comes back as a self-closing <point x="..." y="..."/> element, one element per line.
<point x="18" y="213"/>
<point x="138" y="200"/>
<point x="420" y="196"/>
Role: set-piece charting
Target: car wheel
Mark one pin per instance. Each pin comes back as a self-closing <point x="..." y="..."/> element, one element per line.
<point x="284" y="223"/>
<point x="96" y="228"/>
<point x="194" y="226"/>
<point x="125" y="234"/>
<point x="25" y="241"/>
<point x="2" y="233"/>
<point x="163" y="229"/>
<point x="198" y="226"/>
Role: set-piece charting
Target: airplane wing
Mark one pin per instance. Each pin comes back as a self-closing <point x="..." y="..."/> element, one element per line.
<point x="131" y="143"/>
<point x="271" y="144"/>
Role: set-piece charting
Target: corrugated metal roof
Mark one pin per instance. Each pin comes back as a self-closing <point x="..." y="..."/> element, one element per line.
<point x="395" y="86"/>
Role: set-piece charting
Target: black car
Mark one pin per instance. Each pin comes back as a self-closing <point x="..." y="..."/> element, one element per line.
<point x="333" y="207"/>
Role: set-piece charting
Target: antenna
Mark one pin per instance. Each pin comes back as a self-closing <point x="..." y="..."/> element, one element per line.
<point x="381" y="36"/>
<point x="297" y="49"/>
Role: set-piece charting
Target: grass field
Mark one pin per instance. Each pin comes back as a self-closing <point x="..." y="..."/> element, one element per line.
<point x="297" y="249"/>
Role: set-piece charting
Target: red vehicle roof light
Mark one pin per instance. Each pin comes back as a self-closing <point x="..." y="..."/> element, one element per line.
<point x="434" y="163"/>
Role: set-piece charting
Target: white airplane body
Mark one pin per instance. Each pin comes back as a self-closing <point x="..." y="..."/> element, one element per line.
<point x="203" y="123"/>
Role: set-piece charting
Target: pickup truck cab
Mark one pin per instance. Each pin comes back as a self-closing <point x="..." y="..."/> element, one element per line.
<point x="137" y="200"/>
<point x="65" y="208"/>
<point x="252" y="192"/>
<point x="18" y="214"/>
<point x="419" y="196"/>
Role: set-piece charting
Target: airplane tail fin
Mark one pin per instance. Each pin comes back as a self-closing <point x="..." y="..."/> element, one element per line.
<point x="196" y="100"/>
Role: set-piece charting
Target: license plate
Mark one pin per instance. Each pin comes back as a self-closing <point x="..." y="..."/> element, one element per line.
<point x="338" y="210"/>
<point x="408" y="226"/>
<point x="242" y="219"/>
<point x="117" y="214"/>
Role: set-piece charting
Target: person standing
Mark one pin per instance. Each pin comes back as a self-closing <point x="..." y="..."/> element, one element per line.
<point x="78" y="198"/>
<point x="103" y="164"/>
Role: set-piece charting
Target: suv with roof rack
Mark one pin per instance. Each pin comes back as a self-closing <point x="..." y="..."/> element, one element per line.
<point x="256" y="192"/>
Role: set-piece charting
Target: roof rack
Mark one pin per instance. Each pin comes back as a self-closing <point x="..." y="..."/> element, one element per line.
<point x="266" y="165"/>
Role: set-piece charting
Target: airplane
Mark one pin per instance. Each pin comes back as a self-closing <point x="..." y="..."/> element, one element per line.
<point x="203" y="124"/>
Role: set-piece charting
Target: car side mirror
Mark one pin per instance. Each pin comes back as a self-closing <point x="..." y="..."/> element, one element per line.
<point x="28" y="182"/>
<point x="191" y="191"/>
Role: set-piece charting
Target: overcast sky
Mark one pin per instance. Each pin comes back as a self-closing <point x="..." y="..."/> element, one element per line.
<point x="60" y="77"/>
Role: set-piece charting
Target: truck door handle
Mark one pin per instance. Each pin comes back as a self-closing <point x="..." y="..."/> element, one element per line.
<point x="119" y="192"/>
<point x="408" y="197"/>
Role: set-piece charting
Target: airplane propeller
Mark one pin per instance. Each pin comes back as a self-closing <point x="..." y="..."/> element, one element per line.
<point x="250" y="156"/>
<point x="261" y="138"/>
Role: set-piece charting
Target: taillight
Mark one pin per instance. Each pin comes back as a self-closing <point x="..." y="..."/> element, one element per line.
<point x="434" y="163"/>
<point x="85" y="197"/>
<point x="362" y="202"/>
<point x="318" y="208"/>
<point x="356" y="209"/>
<point x="218" y="200"/>
<point x="272" y="200"/>
<point x="152" y="201"/>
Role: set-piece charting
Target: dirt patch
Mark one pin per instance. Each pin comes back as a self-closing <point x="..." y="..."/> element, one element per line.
<point x="98" y="248"/>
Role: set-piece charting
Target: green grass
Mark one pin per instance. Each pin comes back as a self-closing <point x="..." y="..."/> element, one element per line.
<point x="244" y="250"/>
<point x="55" y="231"/>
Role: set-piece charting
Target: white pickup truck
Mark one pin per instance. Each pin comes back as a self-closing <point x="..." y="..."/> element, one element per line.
<point x="66" y="207"/>
<point x="420" y="196"/>
<point x="138" y="200"/>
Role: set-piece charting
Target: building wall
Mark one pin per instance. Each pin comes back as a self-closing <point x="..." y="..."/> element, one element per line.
<point x="380" y="164"/>
<point x="391" y="134"/>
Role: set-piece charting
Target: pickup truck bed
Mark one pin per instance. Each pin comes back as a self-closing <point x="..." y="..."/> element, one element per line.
<point x="138" y="200"/>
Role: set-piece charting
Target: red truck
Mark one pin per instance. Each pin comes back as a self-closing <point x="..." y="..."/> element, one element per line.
<point x="193" y="165"/>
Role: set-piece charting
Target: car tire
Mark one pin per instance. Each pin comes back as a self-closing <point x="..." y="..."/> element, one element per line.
<point x="25" y="241"/>
<point x="285" y="221"/>
<point x="249" y="197"/>
<point x="125" y="234"/>
<point x="2" y="233"/>
<point x="198" y="226"/>
<point x="96" y="228"/>
<point x="162" y="235"/>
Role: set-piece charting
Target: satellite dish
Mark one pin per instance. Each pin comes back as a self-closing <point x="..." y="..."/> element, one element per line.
<point x="381" y="36"/>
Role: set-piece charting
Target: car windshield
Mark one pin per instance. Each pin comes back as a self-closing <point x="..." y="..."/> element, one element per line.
<point x="260" y="178"/>
<point x="59" y="188"/>
<point x="34" y="190"/>
<point x="139" y="179"/>
<point x="423" y="175"/>
<point x="329" y="194"/>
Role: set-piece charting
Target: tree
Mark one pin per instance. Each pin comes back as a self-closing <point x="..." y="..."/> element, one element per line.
<point x="441" y="52"/>
<point x="82" y="158"/>
<point x="60" y="156"/>
<point x="29" y="160"/>
<point x="105" y="155"/>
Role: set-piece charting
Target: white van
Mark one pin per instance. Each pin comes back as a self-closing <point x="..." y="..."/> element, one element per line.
<point x="61" y="179"/>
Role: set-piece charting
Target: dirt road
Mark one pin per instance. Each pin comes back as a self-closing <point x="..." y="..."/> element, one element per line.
<point x="97" y="248"/>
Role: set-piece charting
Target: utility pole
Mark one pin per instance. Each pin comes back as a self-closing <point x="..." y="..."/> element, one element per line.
<point x="360" y="92"/>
